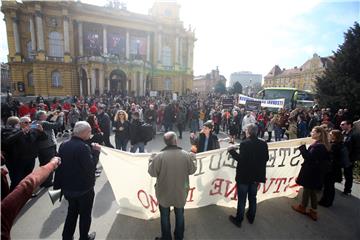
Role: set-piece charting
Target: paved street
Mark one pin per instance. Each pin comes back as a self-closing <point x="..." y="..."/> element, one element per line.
<point x="39" y="219"/>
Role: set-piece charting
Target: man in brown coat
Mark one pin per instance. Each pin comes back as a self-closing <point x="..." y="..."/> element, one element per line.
<point x="172" y="167"/>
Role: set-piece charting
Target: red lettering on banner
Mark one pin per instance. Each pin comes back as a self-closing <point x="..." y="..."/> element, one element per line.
<point x="147" y="201"/>
<point x="281" y="180"/>
<point x="190" y="195"/>
<point x="154" y="204"/>
<point x="233" y="189"/>
<point x="269" y="185"/>
<point x="217" y="186"/>
<point x="143" y="193"/>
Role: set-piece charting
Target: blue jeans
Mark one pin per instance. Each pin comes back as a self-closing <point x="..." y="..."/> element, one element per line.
<point x="166" y="226"/>
<point x="121" y="143"/>
<point x="139" y="145"/>
<point x="278" y="133"/>
<point x="249" y="190"/>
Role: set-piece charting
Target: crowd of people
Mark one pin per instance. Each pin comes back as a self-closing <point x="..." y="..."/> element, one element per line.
<point x="32" y="130"/>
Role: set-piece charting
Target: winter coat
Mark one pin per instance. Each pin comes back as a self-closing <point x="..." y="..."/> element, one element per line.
<point x="314" y="167"/>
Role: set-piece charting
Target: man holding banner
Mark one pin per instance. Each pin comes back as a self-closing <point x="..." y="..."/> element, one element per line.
<point x="250" y="171"/>
<point x="172" y="167"/>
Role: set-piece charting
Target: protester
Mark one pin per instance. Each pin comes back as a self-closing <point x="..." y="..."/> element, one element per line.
<point x="73" y="115"/>
<point x="104" y="124"/>
<point x="250" y="171"/>
<point x="76" y="179"/>
<point x="248" y="119"/>
<point x="172" y="167"/>
<point x="352" y="143"/>
<point x="13" y="203"/>
<point x="47" y="148"/>
<point x="150" y="117"/>
<point x="122" y="130"/>
<point x="180" y="120"/>
<point x="339" y="157"/>
<point x="96" y="137"/>
<point x="206" y="140"/>
<point x="23" y="147"/>
<point x="136" y="140"/>
<point x="313" y="170"/>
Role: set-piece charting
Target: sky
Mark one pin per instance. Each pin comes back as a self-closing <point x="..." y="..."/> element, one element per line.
<point x="253" y="35"/>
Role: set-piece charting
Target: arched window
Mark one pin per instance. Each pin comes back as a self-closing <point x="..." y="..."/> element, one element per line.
<point x="56" y="45"/>
<point x="30" y="79"/>
<point x="166" y="56"/>
<point x="56" y="79"/>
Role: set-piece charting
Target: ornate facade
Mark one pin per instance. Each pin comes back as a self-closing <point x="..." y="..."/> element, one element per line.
<point x="71" y="48"/>
<point x="302" y="78"/>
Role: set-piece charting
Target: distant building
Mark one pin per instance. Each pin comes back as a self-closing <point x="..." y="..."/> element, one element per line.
<point x="4" y="77"/>
<point x="245" y="78"/>
<point x="59" y="48"/>
<point x="303" y="78"/>
<point x="206" y="83"/>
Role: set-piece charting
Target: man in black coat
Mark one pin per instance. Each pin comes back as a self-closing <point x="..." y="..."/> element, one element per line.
<point x="76" y="178"/>
<point x="104" y="124"/>
<point x="352" y="143"/>
<point x="250" y="171"/>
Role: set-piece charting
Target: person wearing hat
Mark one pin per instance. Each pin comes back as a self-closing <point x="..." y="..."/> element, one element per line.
<point x="207" y="140"/>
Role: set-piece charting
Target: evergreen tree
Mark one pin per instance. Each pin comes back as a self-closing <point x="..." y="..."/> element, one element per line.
<point x="237" y="87"/>
<point x="339" y="87"/>
<point x="220" y="88"/>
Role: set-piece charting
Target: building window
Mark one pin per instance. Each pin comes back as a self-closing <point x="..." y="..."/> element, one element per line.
<point x="56" y="79"/>
<point x="30" y="53"/>
<point x="56" y="45"/>
<point x="166" y="56"/>
<point x="30" y="79"/>
<point x="168" y="84"/>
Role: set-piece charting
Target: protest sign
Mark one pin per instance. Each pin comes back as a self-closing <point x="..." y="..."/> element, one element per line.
<point x="270" y="103"/>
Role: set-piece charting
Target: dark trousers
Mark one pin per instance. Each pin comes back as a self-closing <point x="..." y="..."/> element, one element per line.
<point x="107" y="141"/>
<point x="348" y="175"/>
<point x="166" y="225"/>
<point x="249" y="191"/>
<point x="82" y="206"/>
<point x="19" y="171"/>
<point x="309" y="194"/>
<point x="180" y="128"/>
<point x="329" y="190"/>
<point x="45" y="155"/>
<point x="121" y="143"/>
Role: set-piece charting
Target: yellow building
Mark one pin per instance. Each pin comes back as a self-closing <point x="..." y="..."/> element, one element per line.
<point x="303" y="78"/>
<point x="71" y="48"/>
<point x="206" y="83"/>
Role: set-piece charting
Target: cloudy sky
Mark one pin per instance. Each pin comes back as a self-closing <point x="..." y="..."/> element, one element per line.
<point x="254" y="35"/>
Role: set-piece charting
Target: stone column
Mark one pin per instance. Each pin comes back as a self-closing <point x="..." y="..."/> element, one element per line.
<point x="39" y="32"/>
<point x="177" y="50"/>
<point x="141" y="87"/>
<point x="104" y="40"/>
<point x="15" y="22"/>
<point x="127" y="45"/>
<point x="66" y="36"/>
<point x="80" y="82"/>
<point x="32" y="34"/>
<point x="89" y="86"/>
<point x="181" y="52"/>
<point x="148" y="48"/>
<point x="80" y="40"/>
<point x="189" y="54"/>
<point x="159" y="47"/>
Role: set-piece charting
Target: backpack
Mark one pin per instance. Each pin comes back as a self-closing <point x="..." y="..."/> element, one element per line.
<point x="146" y="132"/>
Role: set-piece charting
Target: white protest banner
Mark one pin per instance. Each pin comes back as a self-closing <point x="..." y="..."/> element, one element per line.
<point x="212" y="183"/>
<point x="270" y="103"/>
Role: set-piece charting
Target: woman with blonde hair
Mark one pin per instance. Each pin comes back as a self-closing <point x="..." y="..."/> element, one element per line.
<point x="312" y="173"/>
<point x="122" y="130"/>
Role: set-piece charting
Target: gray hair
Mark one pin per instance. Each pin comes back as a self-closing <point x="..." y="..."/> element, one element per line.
<point x="252" y="129"/>
<point x="25" y="119"/>
<point x="39" y="113"/>
<point x="170" y="138"/>
<point x="80" y="127"/>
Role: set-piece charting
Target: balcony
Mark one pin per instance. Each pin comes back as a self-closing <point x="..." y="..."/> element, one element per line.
<point x="54" y="59"/>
